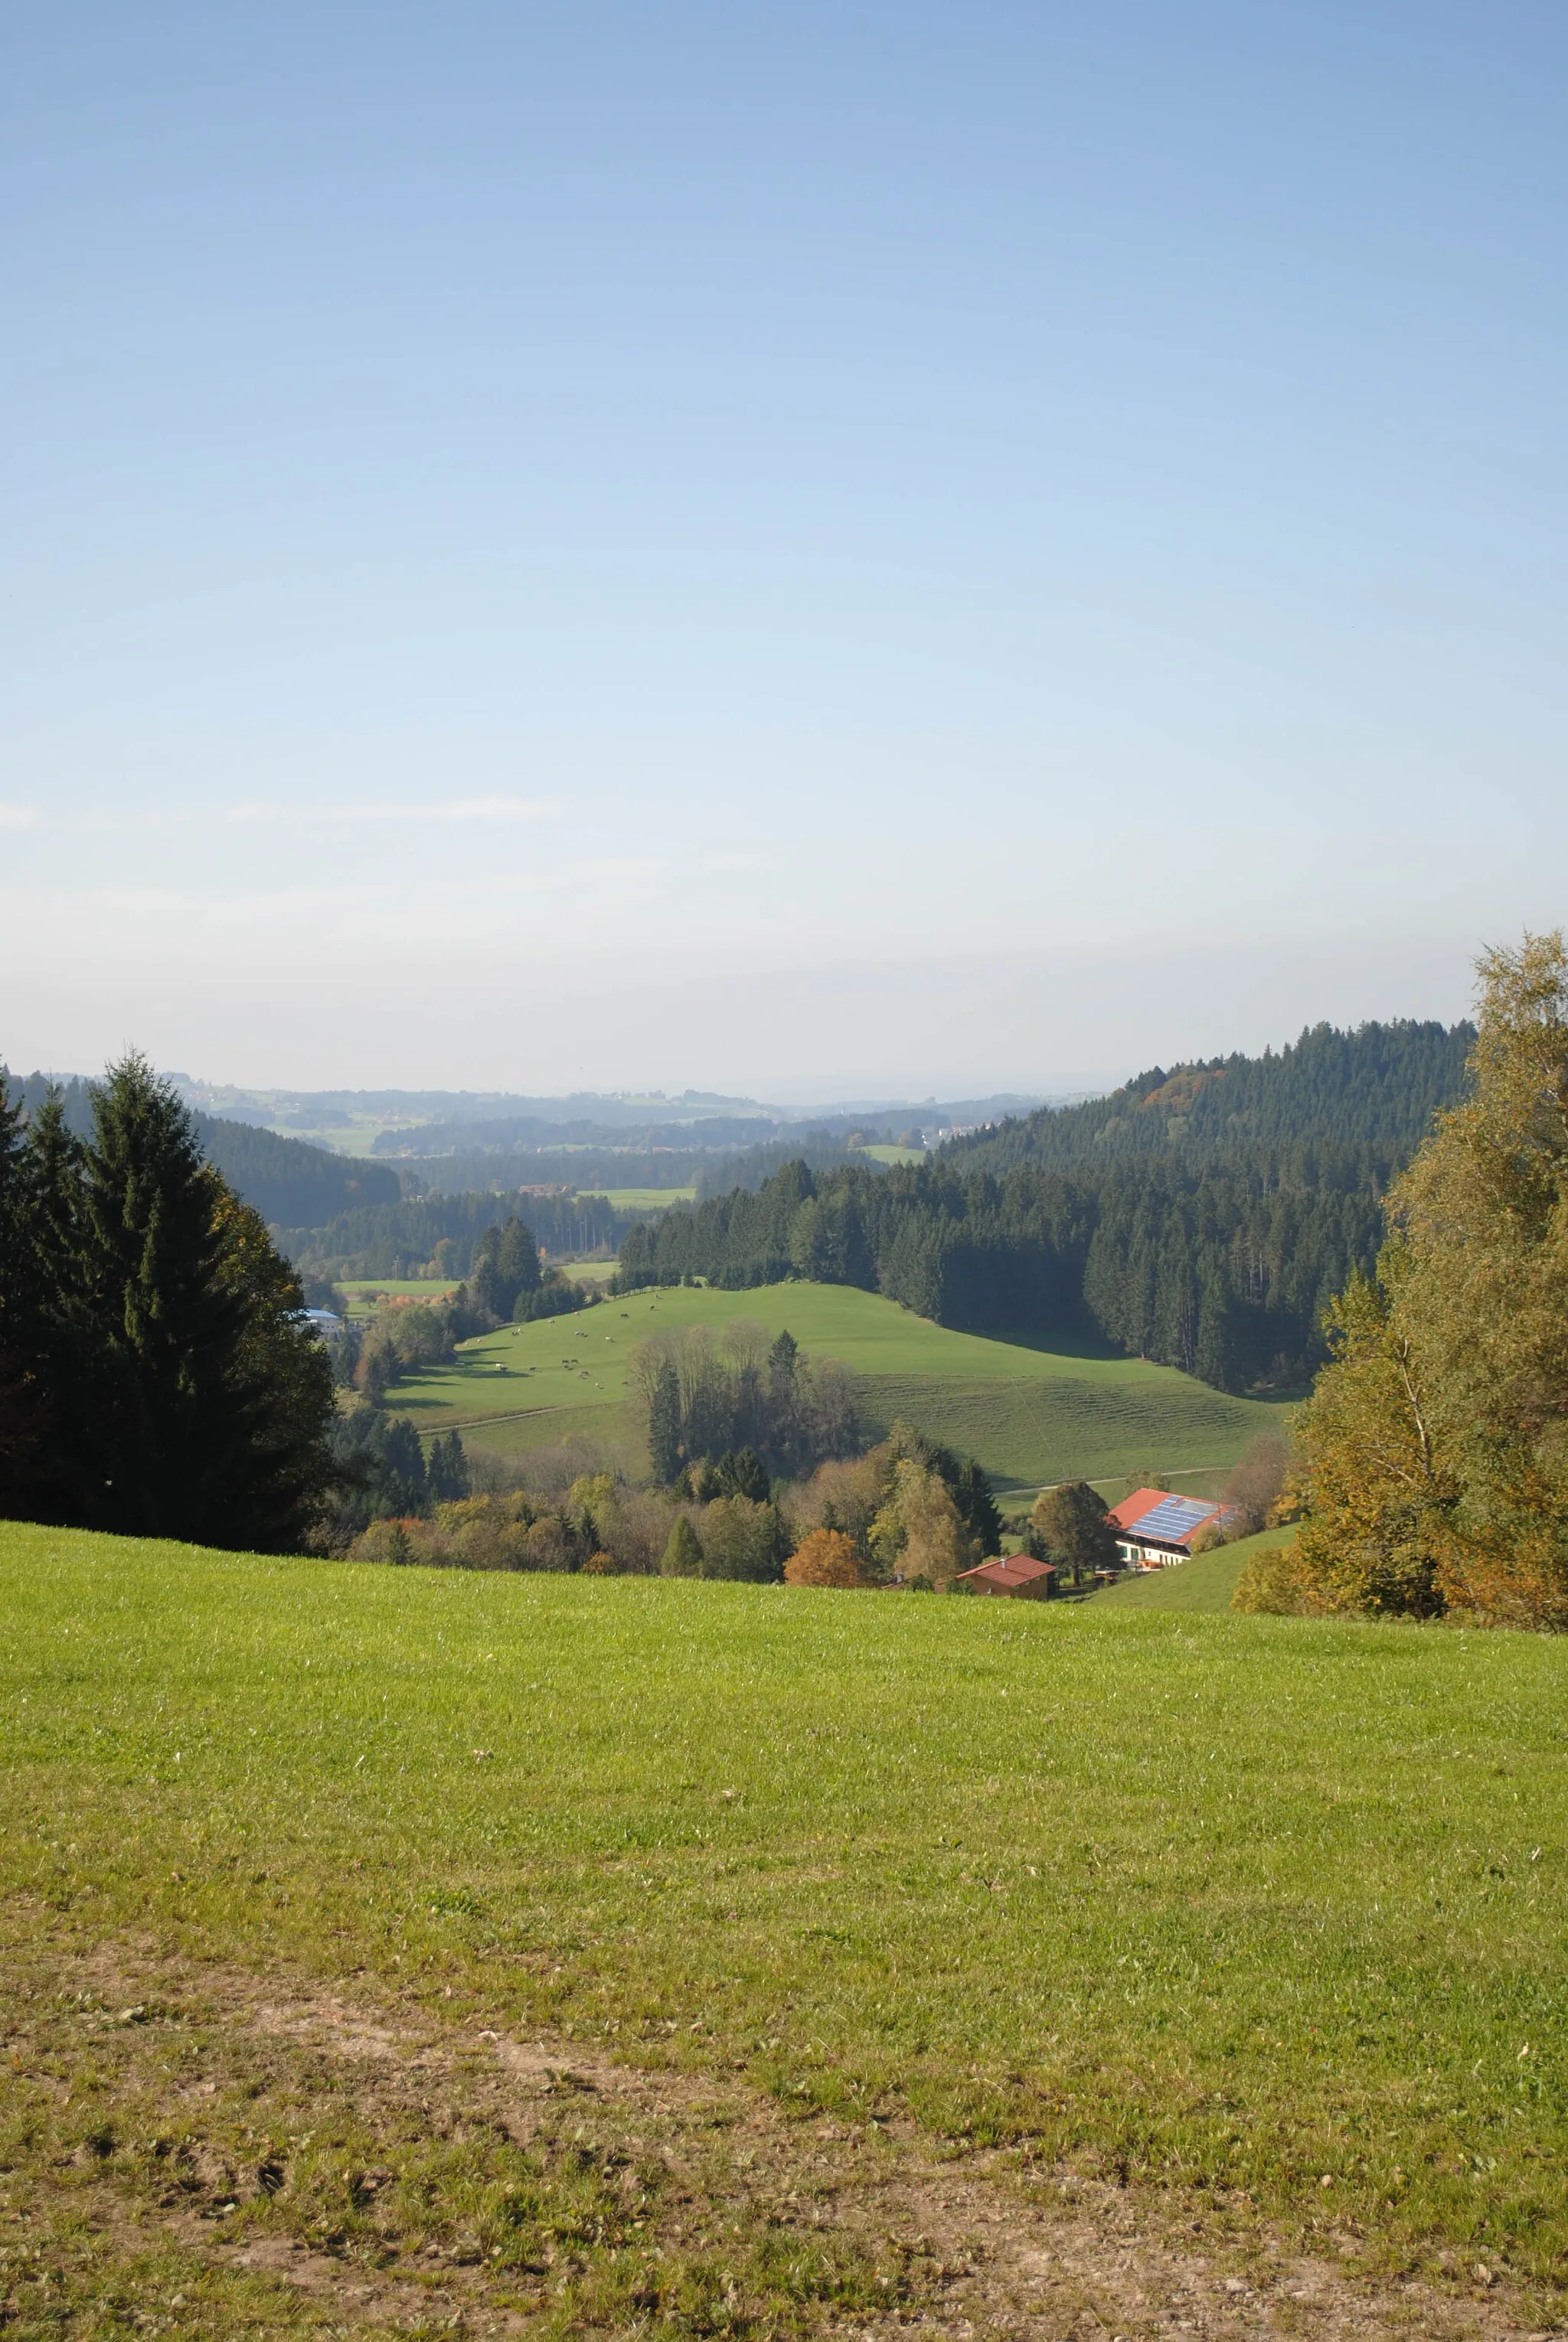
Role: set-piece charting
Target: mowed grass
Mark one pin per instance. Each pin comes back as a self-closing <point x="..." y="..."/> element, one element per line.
<point x="1224" y="1903"/>
<point x="1032" y="1416"/>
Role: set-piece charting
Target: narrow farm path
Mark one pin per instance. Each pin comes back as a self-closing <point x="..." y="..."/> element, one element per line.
<point x="201" y="2149"/>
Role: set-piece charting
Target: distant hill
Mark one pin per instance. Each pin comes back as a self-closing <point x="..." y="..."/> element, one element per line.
<point x="291" y="1184"/>
<point x="1203" y="1218"/>
<point x="1377" y="1086"/>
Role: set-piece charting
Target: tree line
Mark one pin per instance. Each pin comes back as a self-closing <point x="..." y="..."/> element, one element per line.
<point x="1222" y="1268"/>
<point x="1378" y="1086"/>
<point x="444" y="1231"/>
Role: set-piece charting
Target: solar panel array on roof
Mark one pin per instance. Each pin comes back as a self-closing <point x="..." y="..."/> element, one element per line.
<point x="1173" y="1518"/>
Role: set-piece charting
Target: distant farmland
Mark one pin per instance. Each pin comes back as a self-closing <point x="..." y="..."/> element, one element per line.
<point x="1031" y="1416"/>
<point x="643" y="1199"/>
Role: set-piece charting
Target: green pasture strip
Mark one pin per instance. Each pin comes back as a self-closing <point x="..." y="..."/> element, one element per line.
<point x="1044" y="1428"/>
<point x="1256" y="1904"/>
<point x="643" y="1199"/>
<point x="423" y="1289"/>
<point x="364" y="1292"/>
<point x="893" y="1154"/>
<point x="1206" y="1582"/>
<point x="1031" y="1416"/>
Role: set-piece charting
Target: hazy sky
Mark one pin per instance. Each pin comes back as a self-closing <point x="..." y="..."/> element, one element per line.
<point x="807" y="549"/>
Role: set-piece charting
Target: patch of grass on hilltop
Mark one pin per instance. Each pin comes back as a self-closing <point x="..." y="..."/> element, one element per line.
<point x="1241" y="1904"/>
<point x="643" y="1199"/>
<point x="1030" y="1414"/>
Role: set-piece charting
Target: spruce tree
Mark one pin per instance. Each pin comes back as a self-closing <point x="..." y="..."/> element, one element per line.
<point x="208" y="1400"/>
<point x="20" y="1396"/>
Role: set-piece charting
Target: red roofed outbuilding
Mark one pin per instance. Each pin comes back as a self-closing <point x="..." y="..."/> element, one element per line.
<point x="1017" y="1573"/>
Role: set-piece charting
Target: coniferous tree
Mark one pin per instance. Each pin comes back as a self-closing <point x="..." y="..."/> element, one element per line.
<point x="21" y="1393"/>
<point x="182" y="1394"/>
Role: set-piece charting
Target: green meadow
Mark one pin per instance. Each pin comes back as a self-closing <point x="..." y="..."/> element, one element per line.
<point x="643" y="1199"/>
<point x="1266" y="1911"/>
<point x="1032" y="1416"/>
<point x="363" y="1293"/>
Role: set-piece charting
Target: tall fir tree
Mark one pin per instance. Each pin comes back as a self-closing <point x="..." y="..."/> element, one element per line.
<point x="182" y="1394"/>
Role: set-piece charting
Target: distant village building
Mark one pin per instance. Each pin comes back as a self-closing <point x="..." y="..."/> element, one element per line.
<point x="1155" y="1528"/>
<point x="1018" y="1574"/>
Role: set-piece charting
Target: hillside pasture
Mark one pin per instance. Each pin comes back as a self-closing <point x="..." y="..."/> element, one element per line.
<point x="1257" y="1922"/>
<point x="643" y="1199"/>
<point x="1031" y="1416"/>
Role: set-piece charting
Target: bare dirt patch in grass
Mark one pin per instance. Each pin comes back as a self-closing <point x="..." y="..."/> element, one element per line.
<point x="197" y="2149"/>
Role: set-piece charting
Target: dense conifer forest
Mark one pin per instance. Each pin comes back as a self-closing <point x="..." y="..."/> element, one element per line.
<point x="1201" y="1217"/>
<point x="1378" y="1086"/>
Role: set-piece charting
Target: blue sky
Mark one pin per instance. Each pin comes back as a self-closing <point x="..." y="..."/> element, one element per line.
<point x="861" y="548"/>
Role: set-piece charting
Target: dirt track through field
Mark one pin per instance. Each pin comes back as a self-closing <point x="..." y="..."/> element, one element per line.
<point x="119" y="2040"/>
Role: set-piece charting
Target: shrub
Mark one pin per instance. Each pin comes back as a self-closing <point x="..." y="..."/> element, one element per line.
<point x="1278" y="1584"/>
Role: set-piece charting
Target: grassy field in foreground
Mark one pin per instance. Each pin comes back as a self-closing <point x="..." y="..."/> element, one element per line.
<point x="1031" y="1416"/>
<point x="1206" y="1582"/>
<point x="1267" y="1904"/>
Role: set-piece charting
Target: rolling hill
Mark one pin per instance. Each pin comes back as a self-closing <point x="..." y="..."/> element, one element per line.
<point x="1031" y="1416"/>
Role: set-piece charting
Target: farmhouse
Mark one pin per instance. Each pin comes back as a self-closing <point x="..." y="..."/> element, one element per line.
<point x="1155" y="1528"/>
<point x="1012" y="1573"/>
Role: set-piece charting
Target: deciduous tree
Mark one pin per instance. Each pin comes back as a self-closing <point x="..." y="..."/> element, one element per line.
<point x="825" y="1557"/>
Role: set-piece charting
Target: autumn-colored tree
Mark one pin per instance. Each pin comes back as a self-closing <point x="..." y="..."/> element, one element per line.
<point x="825" y="1557"/>
<point x="936" y="1545"/>
<point x="1433" y="1467"/>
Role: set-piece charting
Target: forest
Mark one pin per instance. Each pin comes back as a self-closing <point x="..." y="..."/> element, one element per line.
<point x="1207" y="1235"/>
<point x="1376" y="1086"/>
<point x="401" y="1239"/>
<point x="288" y="1182"/>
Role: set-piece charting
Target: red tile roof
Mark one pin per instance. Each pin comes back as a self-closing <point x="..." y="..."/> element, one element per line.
<point x="1165" y="1519"/>
<point x="1010" y="1573"/>
<point x="1132" y="1508"/>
